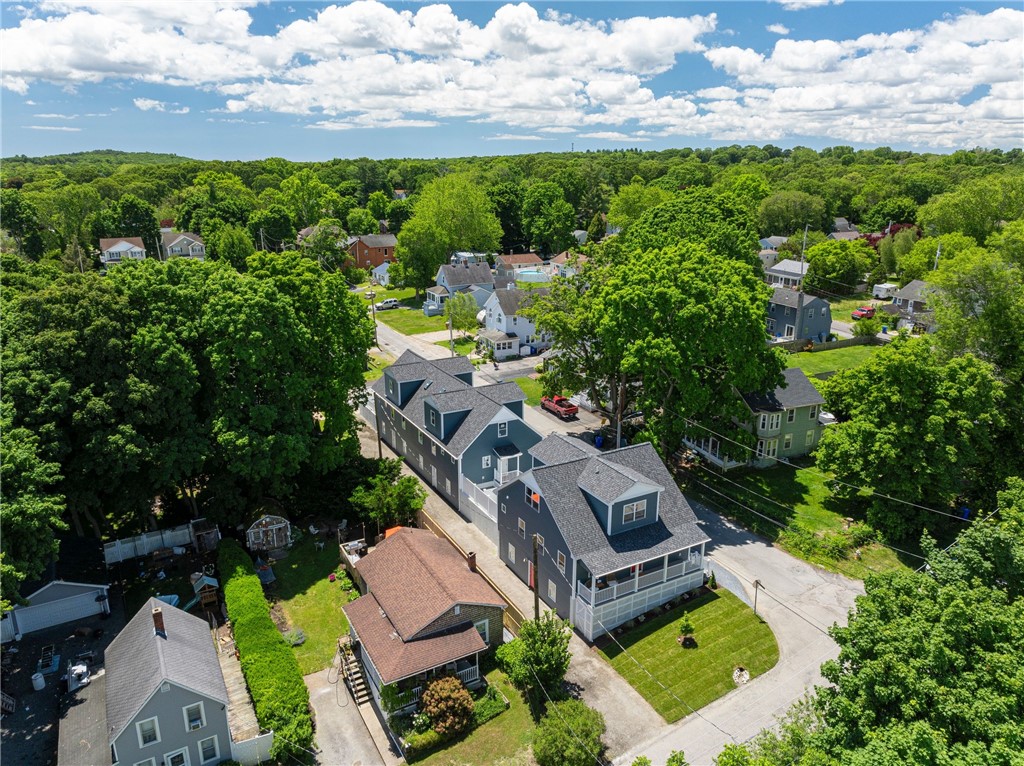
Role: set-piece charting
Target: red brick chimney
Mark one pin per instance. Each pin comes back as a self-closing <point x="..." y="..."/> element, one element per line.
<point x="471" y="560"/>
<point x="158" y="622"/>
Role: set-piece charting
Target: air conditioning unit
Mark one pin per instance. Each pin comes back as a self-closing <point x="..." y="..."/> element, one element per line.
<point x="195" y="724"/>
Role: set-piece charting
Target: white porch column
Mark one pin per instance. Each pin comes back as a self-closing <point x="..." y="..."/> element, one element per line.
<point x="664" y="568"/>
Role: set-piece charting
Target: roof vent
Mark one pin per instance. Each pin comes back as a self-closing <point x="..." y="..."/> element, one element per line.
<point x="428" y="384"/>
<point x="382" y="614"/>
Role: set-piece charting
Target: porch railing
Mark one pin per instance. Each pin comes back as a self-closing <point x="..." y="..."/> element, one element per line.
<point x="481" y="499"/>
<point x="469" y="675"/>
<point x="507" y="476"/>
<point x="616" y="590"/>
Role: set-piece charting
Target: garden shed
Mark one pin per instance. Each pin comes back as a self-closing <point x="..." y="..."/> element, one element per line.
<point x="55" y="603"/>
<point x="269" y="532"/>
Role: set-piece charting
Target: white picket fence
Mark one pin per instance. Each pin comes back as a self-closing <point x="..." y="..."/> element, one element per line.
<point x="144" y="544"/>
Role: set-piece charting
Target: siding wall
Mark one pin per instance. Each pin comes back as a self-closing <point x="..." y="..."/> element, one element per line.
<point x="469" y="613"/>
<point x="392" y="433"/>
<point x="541" y="522"/>
<point x="650" y="518"/>
<point x="168" y="708"/>
<point x="519" y="435"/>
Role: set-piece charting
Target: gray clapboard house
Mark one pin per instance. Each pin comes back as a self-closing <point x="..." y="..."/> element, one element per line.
<point x="616" y="536"/>
<point x="464" y="440"/>
<point x="814" y="321"/>
<point x="161" y="699"/>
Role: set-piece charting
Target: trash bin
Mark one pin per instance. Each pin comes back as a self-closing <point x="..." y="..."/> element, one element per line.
<point x="598" y="441"/>
<point x="38" y="682"/>
<point x="885" y="329"/>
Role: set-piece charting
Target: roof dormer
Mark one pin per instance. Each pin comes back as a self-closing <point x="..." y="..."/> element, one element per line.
<point x="621" y="498"/>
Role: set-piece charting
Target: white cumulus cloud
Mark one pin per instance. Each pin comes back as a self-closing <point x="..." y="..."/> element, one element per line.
<point x="778" y="29"/>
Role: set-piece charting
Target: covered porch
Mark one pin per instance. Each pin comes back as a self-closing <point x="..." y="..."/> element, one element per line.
<point x="602" y="602"/>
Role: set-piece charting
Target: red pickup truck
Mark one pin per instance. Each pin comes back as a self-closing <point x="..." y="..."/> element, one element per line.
<point x="560" y="406"/>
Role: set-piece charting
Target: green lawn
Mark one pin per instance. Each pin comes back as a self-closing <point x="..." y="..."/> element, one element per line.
<point x="311" y="602"/>
<point x="504" y="737"/>
<point x="378" y="361"/>
<point x="402" y="293"/>
<point x="802" y="499"/>
<point x="727" y="633"/>
<point x="532" y="388"/>
<point x="828" y="361"/>
<point x="463" y="346"/>
<point x="841" y="308"/>
<point x="411" y="321"/>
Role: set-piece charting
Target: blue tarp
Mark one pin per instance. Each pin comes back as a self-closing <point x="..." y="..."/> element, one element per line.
<point x="264" y="572"/>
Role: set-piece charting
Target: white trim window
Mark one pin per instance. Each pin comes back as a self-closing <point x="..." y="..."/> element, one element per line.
<point x="552" y="591"/>
<point x="634" y="511"/>
<point x="561" y="562"/>
<point x="177" y="758"/>
<point x="511" y="553"/>
<point x="787" y="441"/>
<point x="448" y="486"/>
<point x="771" y="324"/>
<point x="812" y="414"/>
<point x="522" y="527"/>
<point x="148" y="732"/>
<point x="767" y="448"/>
<point x="147" y="762"/>
<point x="790" y="416"/>
<point x="195" y="716"/>
<point x="485" y="461"/>
<point x="540" y="542"/>
<point x="809" y="439"/>
<point x="433" y="449"/>
<point x="209" y="750"/>
<point x="433" y="418"/>
<point x="502" y="430"/>
<point x="419" y="437"/>
<point x="483" y="627"/>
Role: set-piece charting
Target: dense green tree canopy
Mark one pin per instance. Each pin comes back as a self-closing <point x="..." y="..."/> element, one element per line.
<point x="836" y="267"/>
<point x="915" y="429"/>
<point x="548" y="218"/>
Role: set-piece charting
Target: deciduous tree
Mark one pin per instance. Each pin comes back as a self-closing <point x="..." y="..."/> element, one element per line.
<point x="569" y="734"/>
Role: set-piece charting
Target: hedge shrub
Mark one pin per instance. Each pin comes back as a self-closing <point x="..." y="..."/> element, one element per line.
<point x="268" y="664"/>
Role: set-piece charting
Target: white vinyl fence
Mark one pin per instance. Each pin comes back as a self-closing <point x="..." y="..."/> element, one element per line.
<point x="253" y="751"/>
<point x="144" y="544"/>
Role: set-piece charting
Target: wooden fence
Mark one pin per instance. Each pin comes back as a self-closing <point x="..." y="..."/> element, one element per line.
<point x="513" y="618"/>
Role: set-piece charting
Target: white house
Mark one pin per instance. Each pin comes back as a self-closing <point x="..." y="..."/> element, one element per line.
<point x="506" y="332"/>
<point x="474" y="278"/>
<point x="380" y="274"/>
<point x="786" y="273"/>
<point x="182" y="244"/>
<point x="114" y="250"/>
<point x="567" y="262"/>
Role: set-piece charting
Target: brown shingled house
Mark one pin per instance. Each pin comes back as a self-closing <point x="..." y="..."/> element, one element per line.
<point x="426" y="612"/>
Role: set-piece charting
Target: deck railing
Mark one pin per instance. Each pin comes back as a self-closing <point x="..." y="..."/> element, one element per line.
<point x="626" y="587"/>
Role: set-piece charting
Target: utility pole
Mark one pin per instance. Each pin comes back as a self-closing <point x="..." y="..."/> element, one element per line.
<point x="536" y="579"/>
<point x="938" y="252"/>
<point x="263" y="240"/>
<point x="373" y="310"/>
<point x="757" y="584"/>
<point x="800" y="287"/>
<point x="451" y="335"/>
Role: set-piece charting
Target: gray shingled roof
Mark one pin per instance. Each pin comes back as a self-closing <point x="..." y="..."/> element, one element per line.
<point x="510" y="300"/>
<point x="378" y="240"/>
<point x="138" y="661"/>
<point x="786" y="297"/>
<point x="676" y="528"/>
<point x="917" y="290"/>
<point x="789" y="267"/>
<point x="559" y="448"/>
<point x="168" y="238"/>
<point x="82" y="740"/>
<point x="483" y="403"/>
<point x="798" y="391"/>
<point x="608" y="481"/>
<point x="467" y="274"/>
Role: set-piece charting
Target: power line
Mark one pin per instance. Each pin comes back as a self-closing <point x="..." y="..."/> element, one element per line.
<point x="551" y="706"/>
<point x="825" y="475"/>
<point x="786" y="507"/>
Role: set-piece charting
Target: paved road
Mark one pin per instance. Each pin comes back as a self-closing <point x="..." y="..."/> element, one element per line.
<point x="799" y="602"/>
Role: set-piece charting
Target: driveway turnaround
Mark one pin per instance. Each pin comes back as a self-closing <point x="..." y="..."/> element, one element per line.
<point x="799" y="602"/>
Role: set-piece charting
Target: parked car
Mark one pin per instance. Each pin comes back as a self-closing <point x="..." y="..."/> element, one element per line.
<point x="864" y="312"/>
<point x="387" y="303"/>
<point x="560" y="406"/>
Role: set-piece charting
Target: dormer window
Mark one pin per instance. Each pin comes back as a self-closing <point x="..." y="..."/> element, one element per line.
<point x="433" y="418"/>
<point x="634" y="511"/>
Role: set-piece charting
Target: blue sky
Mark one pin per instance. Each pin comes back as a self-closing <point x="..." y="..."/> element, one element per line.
<point x="313" y="81"/>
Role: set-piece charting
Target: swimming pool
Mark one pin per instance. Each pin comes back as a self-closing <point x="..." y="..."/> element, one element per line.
<point x="533" y="275"/>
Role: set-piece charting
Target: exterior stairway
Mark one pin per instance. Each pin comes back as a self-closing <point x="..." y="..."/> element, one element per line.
<point x="7" y="703"/>
<point x="353" y="672"/>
